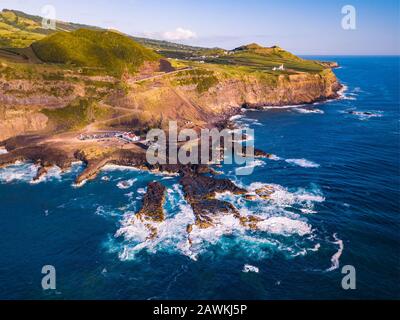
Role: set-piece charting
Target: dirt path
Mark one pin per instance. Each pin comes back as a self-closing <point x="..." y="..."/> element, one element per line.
<point x="160" y="75"/>
<point x="92" y="127"/>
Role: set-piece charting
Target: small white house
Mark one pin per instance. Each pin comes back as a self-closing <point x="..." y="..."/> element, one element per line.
<point x="130" y="137"/>
<point x="281" y="68"/>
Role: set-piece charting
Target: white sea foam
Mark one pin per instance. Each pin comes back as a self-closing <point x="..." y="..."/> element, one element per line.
<point x="282" y="198"/>
<point x="112" y="167"/>
<point x="249" y="268"/>
<point x="76" y="167"/>
<point x="342" y="92"/>
<point x="303" y="163"/>
<point x="53" y="173"/>
<point x="345" y="94"/>
<point x="243" y="123"/>
<point x="236" y="117"/>
<point x="308" y="110"/>
<point x="335" y="258"/>
<point x="19" y="171"/>
<point x="164" y="173"/>
<point x="171" y="233"/>
<point x="129" y="194"/>
<point x="126" y="184"/>
<point x="80" y="184"/>
<point x="308" y="211"/>
<point x="285" y="226"/>
<point x="365" y="115"/>
<point x="250" y="165"/>
<point x="106" y="212"/>
<point x="283" y="107"/>
<point x="227" y="229"/>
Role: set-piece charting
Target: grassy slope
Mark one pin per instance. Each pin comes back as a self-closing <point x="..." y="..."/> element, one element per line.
<point x="77" y="115"/>
<point x="18" y="30"/>
<point x="106" y="51"/>
<point x="251" y="60"/>
<point x="256" y="58"/>
<point x="101" y="51"/>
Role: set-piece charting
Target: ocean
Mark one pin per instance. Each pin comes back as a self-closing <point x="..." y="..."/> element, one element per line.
<point x="336" y="203"/>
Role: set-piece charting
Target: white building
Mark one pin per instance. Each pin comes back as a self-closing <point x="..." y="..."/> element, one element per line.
<point x="281" y="68"/>
<point x="130" y="137"/>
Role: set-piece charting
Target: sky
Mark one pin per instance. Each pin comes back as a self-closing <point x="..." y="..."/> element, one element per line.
<point x="303" y="27"/>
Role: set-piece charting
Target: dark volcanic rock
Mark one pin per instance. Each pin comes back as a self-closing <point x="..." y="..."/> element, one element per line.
<point x="152" y="210"/>
<point x="153" y="203"/>
<point x="47" y="156"/>
<point x="42" y="171"/>
<point x="200" y="193"/>
<point x="261" y="154"/>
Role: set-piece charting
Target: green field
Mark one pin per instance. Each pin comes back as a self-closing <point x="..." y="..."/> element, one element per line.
<point x="256" y="58"/>
<point x="113" y="53"/>
<point x="102" y="51"/>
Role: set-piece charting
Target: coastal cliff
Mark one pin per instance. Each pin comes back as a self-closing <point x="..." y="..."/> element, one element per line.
<point x="60" y="104"/>
<point x="159" y="100"/>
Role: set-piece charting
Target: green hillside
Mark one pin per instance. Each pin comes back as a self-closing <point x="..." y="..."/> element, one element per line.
<point x="20" y="30"/>
<point x="256" y="57"/>
<point x="17" y="31"/>
<point x="99" y="51"/>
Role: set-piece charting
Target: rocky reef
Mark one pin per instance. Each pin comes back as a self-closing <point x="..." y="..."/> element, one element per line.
<point x="200" y="193"/>
<point x="153" y="203"/>
<point x="200" y="186"/>
<point x="152" y="210"/>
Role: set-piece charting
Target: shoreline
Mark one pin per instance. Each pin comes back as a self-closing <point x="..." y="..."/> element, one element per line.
<point x="199" y="183"/>
<point x="96" y="157"/>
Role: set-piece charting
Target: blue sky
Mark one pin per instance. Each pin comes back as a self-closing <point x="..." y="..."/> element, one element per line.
<point x="303" y="27"/>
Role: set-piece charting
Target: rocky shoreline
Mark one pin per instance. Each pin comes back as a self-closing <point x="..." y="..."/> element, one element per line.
<point x="199" y="183"/>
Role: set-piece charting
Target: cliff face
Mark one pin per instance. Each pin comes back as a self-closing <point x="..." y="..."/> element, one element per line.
<point x="193" y="97"/>
<point x="22" y="100"/>
<point x="19" y="121"/>
<point x="165" y="99"/>
<point x="253" y="92"/>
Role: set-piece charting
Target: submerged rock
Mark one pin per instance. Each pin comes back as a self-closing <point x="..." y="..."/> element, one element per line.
<point x="265" y="192"/>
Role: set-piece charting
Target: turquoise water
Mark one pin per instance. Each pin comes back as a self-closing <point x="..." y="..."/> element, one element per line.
<point x="336" y="203"/>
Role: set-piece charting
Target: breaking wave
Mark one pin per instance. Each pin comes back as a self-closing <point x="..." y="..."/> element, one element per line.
<point x="285" y="226"/>
<point x="281" y="226"/>
<point x="309" y="110"/>
<point x="26" y="172"/>
<point x="249" y="268"/>
<point x="303" y="163"/>
<point x="364" y="115"/>
<point x="126" y="184"/>
<point x="335" y="258"/>
<point x="283" y="107"/>
<point x="244" y="122"/>
<point x="250" y="165"/>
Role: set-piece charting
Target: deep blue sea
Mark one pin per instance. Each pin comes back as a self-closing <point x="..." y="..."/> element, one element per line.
<point x="336" y="203"/>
